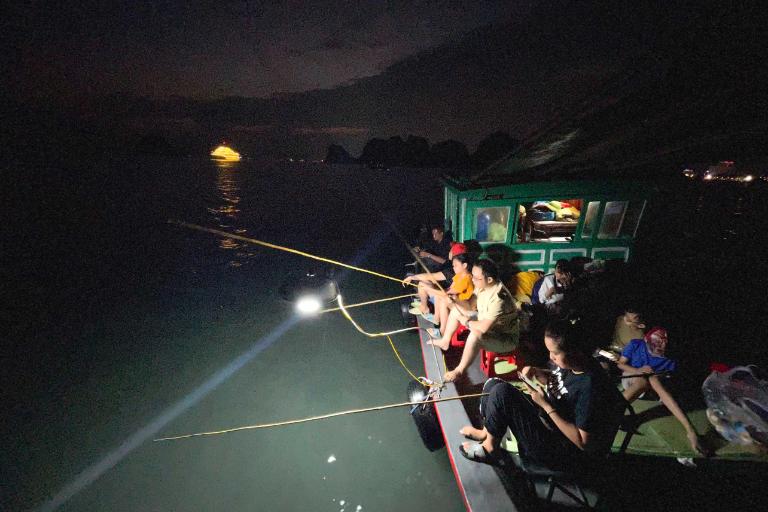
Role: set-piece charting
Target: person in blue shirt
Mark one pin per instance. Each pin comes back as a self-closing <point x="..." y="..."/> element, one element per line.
<point x="648" y="355"/>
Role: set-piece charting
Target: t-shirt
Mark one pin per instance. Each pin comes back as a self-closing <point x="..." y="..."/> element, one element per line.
<point x="637" y="355"/>
<point x="462" y="285"/>
<point x="441" y="248"/>
<point x="547" y="284"/>
<point x="523" y="284"/>
<point x="588" y="400"/>
<point x="495" y="303"/>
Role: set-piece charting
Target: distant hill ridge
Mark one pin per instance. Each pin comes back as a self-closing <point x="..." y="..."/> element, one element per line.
<point x="563" y="60"/>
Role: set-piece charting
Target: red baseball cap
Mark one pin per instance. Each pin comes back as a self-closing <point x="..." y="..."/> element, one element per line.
<point x="458" y="248"/>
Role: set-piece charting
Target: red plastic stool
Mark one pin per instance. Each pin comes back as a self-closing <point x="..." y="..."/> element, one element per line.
<point x="489" y="359"/>
<point x="459" y="338"/>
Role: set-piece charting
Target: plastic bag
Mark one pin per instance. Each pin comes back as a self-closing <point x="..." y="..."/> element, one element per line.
<point x="737" y="404"/>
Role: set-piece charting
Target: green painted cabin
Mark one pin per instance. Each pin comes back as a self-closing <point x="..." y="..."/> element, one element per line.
<point x="600" y="219"/>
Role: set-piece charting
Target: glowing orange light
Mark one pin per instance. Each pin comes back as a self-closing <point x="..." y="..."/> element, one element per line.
<point x="225" y="153"/>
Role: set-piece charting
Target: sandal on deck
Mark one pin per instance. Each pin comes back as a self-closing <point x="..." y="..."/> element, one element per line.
<point x="429" y="317"/>
<point x="477" y="453"/>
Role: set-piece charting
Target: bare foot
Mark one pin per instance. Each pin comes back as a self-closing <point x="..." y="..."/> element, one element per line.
<point x="423" y="308"/>
<point x="473" y="433"/>
<point x="452" y="375"/>
<point x="443" y="344"/>
<point x="697" y="446"/>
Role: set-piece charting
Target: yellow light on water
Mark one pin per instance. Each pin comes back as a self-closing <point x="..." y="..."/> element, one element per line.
<point x="225" y="153"/>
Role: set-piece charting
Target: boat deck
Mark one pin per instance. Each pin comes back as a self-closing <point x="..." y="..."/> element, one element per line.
<point x="482" y="487"/>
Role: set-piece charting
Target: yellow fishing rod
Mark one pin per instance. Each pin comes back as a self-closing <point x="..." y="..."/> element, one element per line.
<point x="341" y="307"/>
<point x="282" y="248"/>
<point x="321" y="417"/>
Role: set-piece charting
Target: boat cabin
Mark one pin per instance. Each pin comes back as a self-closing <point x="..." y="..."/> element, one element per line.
<point x="545" y="221"/>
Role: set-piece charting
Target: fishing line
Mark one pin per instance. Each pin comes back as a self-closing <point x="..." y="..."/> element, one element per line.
<point x="315" y="418"/>
<point x="350" y="306"/>
<point x="421" y="380"/>
<point x="361" y="330"/>
<point x="282" y="248"/>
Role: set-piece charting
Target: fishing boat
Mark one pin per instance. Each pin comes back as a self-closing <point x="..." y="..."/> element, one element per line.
<point x="225" y="153"/>
<point x="530" y="225"/>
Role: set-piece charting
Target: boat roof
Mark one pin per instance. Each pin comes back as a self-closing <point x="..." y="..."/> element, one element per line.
<point x="692" y="98"/>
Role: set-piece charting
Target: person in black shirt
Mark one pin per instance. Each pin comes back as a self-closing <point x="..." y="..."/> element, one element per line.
<point x="435" y="254"/>
<point x="573" y="409"/>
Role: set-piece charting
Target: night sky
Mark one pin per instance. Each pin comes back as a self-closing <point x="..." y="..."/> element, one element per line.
<point x="287" y="79"/>
<point x="207" y="49"/>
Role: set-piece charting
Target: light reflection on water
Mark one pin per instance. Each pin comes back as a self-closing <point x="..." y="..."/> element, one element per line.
<point x="227" y="214"/>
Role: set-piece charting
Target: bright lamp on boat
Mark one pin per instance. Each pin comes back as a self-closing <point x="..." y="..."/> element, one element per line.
<point x="418" y="395"/>
<point x="308" y="305"/>
<point x="309" y="293"/>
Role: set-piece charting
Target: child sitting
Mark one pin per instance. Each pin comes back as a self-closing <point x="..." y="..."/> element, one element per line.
<point x="459" y="293"/>
<point x="648" y="355"/>
<point x="629" y="326"/>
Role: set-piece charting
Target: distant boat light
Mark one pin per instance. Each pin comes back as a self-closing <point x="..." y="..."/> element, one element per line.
<point x="748" y="177"/>
<point x="225" y="153"/>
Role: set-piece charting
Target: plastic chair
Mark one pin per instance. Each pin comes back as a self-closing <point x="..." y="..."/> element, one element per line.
<point x="576" y="477"/>
<point x="459" y="338"/>
<point x="489" y="359"/>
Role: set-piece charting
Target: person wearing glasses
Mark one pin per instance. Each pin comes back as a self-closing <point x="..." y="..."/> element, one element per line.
<point x="495" y="328"/>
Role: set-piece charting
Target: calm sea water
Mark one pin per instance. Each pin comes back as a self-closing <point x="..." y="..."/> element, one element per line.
<point x="123" y="328"/>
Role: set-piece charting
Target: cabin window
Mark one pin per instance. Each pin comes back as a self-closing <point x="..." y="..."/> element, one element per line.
<point x="613" y="215"/>
<point x="590" y="219"/>
<point x="491" y="224"/>
<point x="620" y="219"/>
<point x="632" y="218"/>
<point x="553" y="220"/>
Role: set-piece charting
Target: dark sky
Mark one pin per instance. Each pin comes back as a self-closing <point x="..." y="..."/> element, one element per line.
<point x="210" y="49"/>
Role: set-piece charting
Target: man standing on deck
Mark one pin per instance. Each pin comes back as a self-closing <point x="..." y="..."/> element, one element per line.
<point x="496" y="327"/>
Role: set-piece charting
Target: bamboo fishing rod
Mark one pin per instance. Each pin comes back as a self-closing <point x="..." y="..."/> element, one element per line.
<point x="321" y="417"/>
<point x="377" y="301"/>
<point x="346" y="314"/>
<point x="282" y="248"/>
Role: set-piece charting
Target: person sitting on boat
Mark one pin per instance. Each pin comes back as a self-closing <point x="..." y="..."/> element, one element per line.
<point x="427" y="287"/>
<point x="629" y="326"/>
<point x="460" y="293"/>
<point x="648" y="355"/>
<point x="554" y="286"/>
<point x="435" y="254"/>
<point x="571" y="408"/>
<point x="522" y="284"/>
<point x="496" y="326"/>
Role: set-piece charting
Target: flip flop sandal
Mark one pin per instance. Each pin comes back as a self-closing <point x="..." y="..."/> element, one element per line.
<point x="477" y="453"/>
<point x="429" y="317"/>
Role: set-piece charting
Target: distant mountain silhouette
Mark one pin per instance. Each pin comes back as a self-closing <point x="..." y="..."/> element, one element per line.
<point x="565" y="60"/>
<point x="416" y="152"/>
